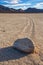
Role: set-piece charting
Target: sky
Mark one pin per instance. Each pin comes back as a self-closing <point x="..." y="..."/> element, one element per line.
<point x="23" y="4"/>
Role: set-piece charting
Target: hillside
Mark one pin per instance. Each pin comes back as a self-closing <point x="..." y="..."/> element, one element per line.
<point x="4" y="9"/>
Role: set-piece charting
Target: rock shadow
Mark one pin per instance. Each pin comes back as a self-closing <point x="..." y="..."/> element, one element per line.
<point x="10" y="53"/>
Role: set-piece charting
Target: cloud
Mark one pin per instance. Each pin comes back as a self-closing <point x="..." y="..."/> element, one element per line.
<point x="6" y="1"/>
<point x="17" y="4"/>
<point x="39" y="5"/>
<point x="15" y="1"/>
<point x="22" y="3"/>
<point x="12" y="1"/>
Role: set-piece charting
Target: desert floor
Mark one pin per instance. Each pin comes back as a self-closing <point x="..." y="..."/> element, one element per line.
<point x="17" y="26"/>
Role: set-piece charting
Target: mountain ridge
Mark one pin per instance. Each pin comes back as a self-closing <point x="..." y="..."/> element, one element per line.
<point x="4" y="9"/>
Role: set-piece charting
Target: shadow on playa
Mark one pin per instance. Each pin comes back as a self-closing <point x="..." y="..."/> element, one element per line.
<point x="9" y="53"/>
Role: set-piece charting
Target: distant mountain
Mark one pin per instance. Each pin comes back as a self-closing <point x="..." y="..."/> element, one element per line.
<point x="4" y="9"/>
<point x="20" y="11"/>
<point x="34" y="10"/>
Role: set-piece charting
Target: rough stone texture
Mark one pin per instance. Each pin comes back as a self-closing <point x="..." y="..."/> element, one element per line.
<point x="25" y="45"/>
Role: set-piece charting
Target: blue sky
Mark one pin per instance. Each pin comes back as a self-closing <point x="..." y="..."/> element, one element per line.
<point x="23" y="4"/>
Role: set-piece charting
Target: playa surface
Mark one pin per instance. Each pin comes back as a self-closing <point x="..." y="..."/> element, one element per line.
<point x="18" y="26"/>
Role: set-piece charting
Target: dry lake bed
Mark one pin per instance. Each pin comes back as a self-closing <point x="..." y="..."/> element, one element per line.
<point x="18" y="26"/>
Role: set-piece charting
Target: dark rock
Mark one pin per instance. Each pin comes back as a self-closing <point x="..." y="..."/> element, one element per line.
<point x="25" y="45"/>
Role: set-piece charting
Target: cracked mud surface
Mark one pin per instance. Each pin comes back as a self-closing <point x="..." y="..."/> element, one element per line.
<point x="17" y="26"/>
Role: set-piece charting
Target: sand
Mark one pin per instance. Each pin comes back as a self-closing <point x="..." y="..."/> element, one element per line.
<point x="17" y="26"/>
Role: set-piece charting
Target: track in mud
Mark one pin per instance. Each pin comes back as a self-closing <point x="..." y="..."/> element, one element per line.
<point x="32" y="28"/>
<point x="29" y="28"/>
